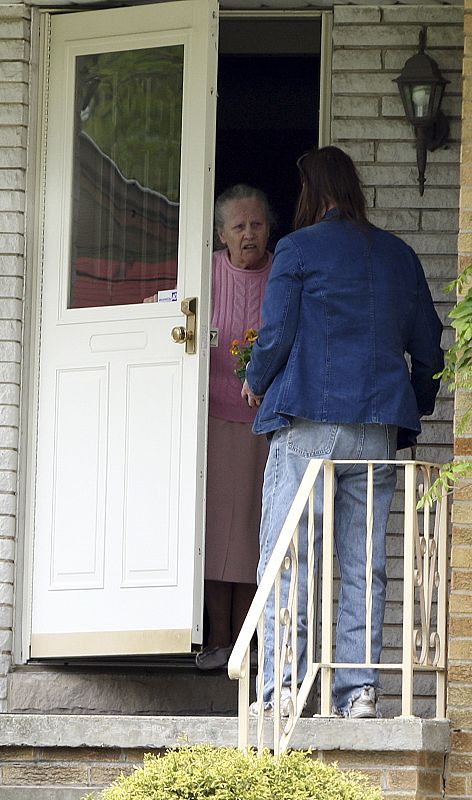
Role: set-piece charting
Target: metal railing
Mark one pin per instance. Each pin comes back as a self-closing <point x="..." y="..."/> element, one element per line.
<point x="424" y="589"/>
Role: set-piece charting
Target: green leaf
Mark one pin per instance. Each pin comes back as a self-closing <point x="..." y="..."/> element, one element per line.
<point x="444" y="483"/>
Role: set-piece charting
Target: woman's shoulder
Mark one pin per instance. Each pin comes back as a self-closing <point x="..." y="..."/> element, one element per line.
<point x="220" y="256"/>
<point x="393" y="243"/>
<point x="299" y="238"/>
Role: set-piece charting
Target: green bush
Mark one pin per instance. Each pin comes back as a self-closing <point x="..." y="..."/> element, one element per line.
<point x="223" y="773"/>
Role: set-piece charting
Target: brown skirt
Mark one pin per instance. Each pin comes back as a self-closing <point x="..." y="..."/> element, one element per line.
<point x="236" y="462"/>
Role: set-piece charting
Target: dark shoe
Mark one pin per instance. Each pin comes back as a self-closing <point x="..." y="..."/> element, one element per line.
<point x="213" y="657"/>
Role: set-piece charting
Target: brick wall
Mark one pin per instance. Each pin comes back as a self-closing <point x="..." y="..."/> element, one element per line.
<point x="62" y="773"/>
<point x="68" y="773"/>
<point x="371" y="45"/>
<point x="14" y="69"/>
<point x="459" y="765"/>
<point x="401" y="776"/>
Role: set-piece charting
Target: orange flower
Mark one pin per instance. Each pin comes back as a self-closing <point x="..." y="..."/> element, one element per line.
<point x="242" y="351"/>
<point x="234" y="349"/>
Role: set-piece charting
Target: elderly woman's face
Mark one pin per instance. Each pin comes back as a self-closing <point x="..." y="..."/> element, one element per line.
<point x="245" y="232"/>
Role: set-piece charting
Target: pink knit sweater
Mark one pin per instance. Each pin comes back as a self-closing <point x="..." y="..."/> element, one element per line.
<point x="236" y="302"/>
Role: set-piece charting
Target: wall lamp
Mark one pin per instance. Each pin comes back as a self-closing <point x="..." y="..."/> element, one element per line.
<point x="421" y="87"/>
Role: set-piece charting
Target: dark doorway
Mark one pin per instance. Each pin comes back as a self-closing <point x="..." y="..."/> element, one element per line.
<point x="268" y="106"/>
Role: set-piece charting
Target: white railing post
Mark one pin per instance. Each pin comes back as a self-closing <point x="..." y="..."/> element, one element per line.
<point x="243" y="705"/>
<point x="277" y="670"/>
<point x="327" y="590"/>
<point x="442" y="509"/>
<point x="294" y="616"/>
<point x="260" y="681"/>
<point x="310" y="610"/>
<point x="408" y="589"/>
<point x="368" y="562"/>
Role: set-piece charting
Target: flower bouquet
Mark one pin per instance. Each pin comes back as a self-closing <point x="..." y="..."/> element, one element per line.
<point x="242" y="352"/>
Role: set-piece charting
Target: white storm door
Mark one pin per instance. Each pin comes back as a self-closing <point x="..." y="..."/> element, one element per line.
<point x="120" y="462"/>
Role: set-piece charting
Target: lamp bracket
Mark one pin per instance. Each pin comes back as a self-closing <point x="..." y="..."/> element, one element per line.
<point x="437" y="133"/>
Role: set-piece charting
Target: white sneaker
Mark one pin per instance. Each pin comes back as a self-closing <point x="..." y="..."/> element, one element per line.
<point x="285" y="705"/>
<point x="364" y="706"/>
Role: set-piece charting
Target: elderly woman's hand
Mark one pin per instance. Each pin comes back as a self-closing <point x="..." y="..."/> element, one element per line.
<point x="253" y="400"/>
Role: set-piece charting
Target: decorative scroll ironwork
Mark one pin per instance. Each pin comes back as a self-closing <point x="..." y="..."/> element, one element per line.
<point x="425" y="575"/>
<point x="427" y="638"/>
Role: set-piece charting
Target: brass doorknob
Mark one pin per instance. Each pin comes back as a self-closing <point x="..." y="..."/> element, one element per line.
<point x="187" y="334"/>
<point x="179" y="334"/>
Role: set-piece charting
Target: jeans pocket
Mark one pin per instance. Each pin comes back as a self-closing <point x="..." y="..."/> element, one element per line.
<point x="312" y="439"/>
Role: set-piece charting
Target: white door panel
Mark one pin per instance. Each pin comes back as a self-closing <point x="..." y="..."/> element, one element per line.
<point x="119" y="491"/>
<point x="79" y="483"/>
<point x="147" y="560"/>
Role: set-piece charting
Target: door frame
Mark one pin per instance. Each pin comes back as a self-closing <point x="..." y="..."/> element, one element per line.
<point x="29" y="403"/>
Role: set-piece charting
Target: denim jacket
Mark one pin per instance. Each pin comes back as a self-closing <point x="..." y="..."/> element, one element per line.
<point x="342" y="306"/>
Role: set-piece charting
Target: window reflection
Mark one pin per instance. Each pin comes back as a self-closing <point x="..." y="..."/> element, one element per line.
<point x="126" y="176"/>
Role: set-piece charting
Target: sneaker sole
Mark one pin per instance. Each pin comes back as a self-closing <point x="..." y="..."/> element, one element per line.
<point x="363" y="713"/>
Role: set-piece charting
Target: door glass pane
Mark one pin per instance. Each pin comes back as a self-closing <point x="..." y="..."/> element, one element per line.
<point x="126" y="176"/>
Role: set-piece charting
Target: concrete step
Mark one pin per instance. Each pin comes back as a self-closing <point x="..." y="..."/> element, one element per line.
<point x="156" y="732"/>
<point x="173" y="689"/>
<point x="170" y="687"/>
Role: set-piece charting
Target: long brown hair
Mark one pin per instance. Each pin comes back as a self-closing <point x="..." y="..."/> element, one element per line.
<point x="329" y="178"/>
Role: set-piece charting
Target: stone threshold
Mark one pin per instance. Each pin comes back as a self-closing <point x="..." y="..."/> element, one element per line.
<point x="317" y="733"/>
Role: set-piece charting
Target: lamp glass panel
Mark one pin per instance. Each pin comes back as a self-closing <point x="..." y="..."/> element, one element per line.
<point x="436" y="100"/>
<point x="407" y="103"/>
<point x="420" y="98"/>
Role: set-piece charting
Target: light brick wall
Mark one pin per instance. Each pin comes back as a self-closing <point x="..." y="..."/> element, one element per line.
<point x="14" y="73"/>
<point x="371" y="45"/>
<point x="459" y="764"/>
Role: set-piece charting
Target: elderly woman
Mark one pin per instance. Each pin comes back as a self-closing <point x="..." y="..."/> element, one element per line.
<point x="236" y="458"/>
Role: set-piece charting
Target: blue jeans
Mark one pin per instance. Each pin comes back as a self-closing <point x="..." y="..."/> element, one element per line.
<point x="290" y="450"/>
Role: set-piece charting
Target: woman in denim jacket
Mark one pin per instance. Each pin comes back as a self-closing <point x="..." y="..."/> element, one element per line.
<point x="344" y="302"/>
